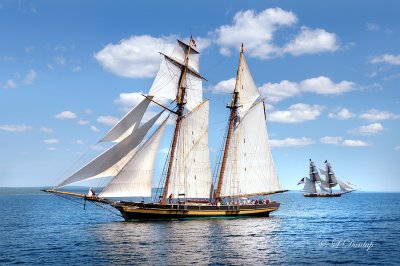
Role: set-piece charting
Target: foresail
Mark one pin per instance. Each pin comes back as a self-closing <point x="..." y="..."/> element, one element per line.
<point x="110" y="162"/>
<point x="314" y="176"/>
<point x="129" y="123"/>
<point x="135" y="178"/>
<point x="250" y="168"/>
<point x="191" y="173"/>
<point x="248" y="91"/>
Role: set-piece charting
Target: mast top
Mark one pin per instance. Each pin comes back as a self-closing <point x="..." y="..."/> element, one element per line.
<point x="242" y="50"/>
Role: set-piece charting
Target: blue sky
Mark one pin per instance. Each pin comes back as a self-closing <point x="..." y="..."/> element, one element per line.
<point x="330" y="71"/>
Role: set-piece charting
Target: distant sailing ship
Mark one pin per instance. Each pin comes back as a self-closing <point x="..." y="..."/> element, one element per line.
<point x="245" y="168"/>
<point x="325" y="185"/>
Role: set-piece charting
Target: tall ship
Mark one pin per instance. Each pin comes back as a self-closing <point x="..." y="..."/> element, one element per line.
<point x="245" y="167"/>
<point x="325" y="185"/>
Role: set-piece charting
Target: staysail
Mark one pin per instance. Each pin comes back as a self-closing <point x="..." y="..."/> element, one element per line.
<point x="112" y="160"/>
<point x="135" y="178"/>
<point x="191" y="175"/>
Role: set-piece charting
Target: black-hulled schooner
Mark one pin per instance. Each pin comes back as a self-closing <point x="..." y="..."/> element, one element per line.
<point x="245" y="169"/>
<point x="325" y="184"/>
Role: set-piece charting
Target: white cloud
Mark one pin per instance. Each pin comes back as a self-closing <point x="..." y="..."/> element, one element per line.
<point x="354" y="143"/>
<point x="136" y="57"/>
<point x="312" y="41"/>
<point x="98" y="148"/>
<point x="46" y="130"/>
<point x="371" y="129"/>
<point x="83" y="122"/>
<point x="76" y="69"/>
<point x="386" y="58"/>
<point x="10" y="84"/>
<point x="397" y="148"/>
<point x="94" y="129"/>
<point x="225" y="86"/>
<point x="276" y="92"/>
<point x="331" y="140"/>
<point x="51" y="141"/>
<point x="30" y="77"/>
<point x="342" y="142"/>
<point x="291" y="142"/>
<point x="129" y="100"/>
<point x="60" y="60"/>
<point x="66" y="115"/>
<point x="296" y="113"/>
<point x="342" y="114"/>
<point x="79" y="141"/>
<point x="371" y="26"/>
<point x="51" y="148"/>
<point x="107" y="120"/>
<point x="376" y="115"/>
<point x="15" y="128"/>
<point x="88" y="111"/>
<point x="255" y="30"/>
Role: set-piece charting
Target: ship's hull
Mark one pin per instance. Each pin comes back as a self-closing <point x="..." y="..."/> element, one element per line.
<point x="135" y="211"/>
<point x="322" y="194"/>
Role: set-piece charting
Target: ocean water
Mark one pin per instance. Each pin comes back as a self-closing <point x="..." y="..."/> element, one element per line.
<point x="357" y="228"/>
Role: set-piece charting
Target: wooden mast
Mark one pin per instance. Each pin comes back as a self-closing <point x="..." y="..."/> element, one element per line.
<point x="232" y="118"/>
<point x="179" y="114"/>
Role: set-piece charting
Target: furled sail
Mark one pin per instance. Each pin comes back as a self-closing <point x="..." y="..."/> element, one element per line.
<point x="167" y="81"/>
<point x="135" y="178"/>
<point x="248" y="91"/>
<point x="129" y="123"/>
<point x="309" y="187"/>
<point x="314" y="176"/>
<point x="110" y="162"/>
<point x="250" y="168"/>
<point x="191" y="173"/>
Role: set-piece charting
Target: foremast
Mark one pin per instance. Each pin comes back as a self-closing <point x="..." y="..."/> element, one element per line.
<point x="179" y="114"/>
<point x="232" y="118"/>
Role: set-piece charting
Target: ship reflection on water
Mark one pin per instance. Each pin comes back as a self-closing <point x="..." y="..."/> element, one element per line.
<point x="204" y="241"/>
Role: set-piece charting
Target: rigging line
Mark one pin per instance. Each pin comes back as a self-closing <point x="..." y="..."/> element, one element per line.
<point x="74" y="202"/>
<point x="100" y="206"/>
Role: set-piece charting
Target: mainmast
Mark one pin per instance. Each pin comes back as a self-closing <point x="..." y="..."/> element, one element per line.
<point x="232" y="119"/>
<point x="179" y="114"/>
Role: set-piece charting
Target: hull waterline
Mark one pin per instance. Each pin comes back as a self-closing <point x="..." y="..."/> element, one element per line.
<point x="322" y="195"/>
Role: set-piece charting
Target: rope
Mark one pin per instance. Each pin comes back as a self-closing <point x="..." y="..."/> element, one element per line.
<point x="98" y="205"/>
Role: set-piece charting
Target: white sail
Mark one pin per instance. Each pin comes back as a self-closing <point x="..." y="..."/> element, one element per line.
<point x="343" y="186"/>
<point x="309" y="187"/>
<point x="135" y="179"/>
<point x="167" y="81"/>
<point x="112" y="160"/>
<point x="191" y="173"/>
<point x="250" y="168"/>
<point x="129" y="123"/>
<point x="323" y="172"/>
<point x="248" y="91"/>
<point x="323" y="189"/>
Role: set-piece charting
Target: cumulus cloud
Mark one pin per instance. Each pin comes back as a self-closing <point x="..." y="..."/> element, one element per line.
<point x="225" y="86"/>
<point x="107" y="120"/>
<point x="371" y="26"/>
<point x="342" y="114"/>
<point x="377" y="115"/>
<point x="60" y="60"/>
<point x="94" y="129"/>
<point x="46" y="130"/>
<point x="15" y="128"/>
<point x="296" y="113"/>
<point x="371" y="129"/>
<point x="135" y="57"/>
<point x="386" y="58"/>
<point x="276" y="92"/>
<point x="83" y="122"/>
<point x="291" y="142"/>
<point x="10" y="84"/>
<point x="343" y="142"/>
<point x="51" y="141"/>
<point x="66" y="115"/>
<point x="257" y="31"/>
<point x="312" y="41"/>
<point x="79" y="141"/>
<point x="30" y="77"/>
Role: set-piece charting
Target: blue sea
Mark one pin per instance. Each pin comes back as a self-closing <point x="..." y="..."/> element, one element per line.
<point x="357" y="228"/>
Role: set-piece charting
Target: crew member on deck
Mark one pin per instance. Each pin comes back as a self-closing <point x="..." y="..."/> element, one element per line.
<point x="171" y="198"/>
<point x="92" y="192"/>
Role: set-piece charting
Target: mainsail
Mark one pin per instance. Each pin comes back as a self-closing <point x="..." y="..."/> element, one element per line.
<point x="191" y="175"/>
<point x="247" y="166"/>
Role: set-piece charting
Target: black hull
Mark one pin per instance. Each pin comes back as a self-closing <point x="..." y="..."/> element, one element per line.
<point x="137" y="211"/>
<point x="322" y="195"/>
